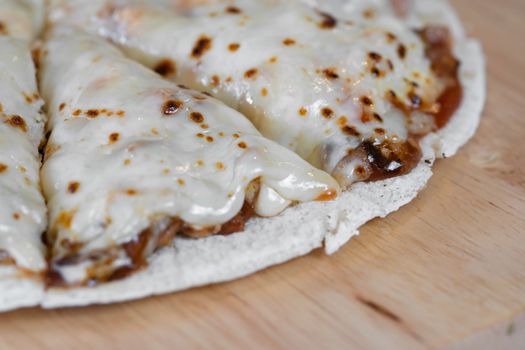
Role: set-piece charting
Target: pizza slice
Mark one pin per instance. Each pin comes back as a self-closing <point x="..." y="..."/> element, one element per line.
<point x="353" y="95"/>
<point x="133" y="160"/>
<point x="23" y="213"/>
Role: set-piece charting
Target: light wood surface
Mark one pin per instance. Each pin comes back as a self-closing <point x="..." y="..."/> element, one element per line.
<point x="447" y="271"/>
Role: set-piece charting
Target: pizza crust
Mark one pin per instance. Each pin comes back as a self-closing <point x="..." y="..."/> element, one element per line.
<point x="296" y="232"/>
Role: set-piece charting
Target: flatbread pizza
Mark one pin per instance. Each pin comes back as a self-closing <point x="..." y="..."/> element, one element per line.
<point x="327" y="119"/>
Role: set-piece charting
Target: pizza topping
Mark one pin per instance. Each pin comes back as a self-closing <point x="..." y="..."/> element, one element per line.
<point x="166" y="68"/>
<point x="171" y="107"/>
<point x="393" y="87"/>
<point x="73" y="187"/>
<point x="328" y="21"/>
<point x="202" y="45"/>
<point x="160" y="175"/>
<point x="234" y="47"/>
<point x="17" y="121"/>
<point x="23" y="214"/>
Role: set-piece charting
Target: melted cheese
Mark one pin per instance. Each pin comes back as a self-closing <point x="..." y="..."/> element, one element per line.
<point x="129" y="149"/>
<point x="22" y="207"/>
<point x="21" y="18"/>
<point x="316" y="84"/>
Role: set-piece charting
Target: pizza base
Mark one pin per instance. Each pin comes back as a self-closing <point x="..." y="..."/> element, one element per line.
<point x="297" y="231"/>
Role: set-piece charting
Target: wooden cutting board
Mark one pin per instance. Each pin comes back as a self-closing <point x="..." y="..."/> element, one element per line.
<point x="447" y="271"/>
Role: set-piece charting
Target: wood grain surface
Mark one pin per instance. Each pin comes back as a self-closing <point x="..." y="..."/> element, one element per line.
<point x="447" y="271"/>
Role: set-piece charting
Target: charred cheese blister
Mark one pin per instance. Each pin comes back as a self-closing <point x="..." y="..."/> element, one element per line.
<point x="133" y="159"/>
<point x="352" y="95"/>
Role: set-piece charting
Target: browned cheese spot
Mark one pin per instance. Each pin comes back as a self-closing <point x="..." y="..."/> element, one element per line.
<point x="251" y="73"/>
<point x="367" y="101"/>
<point x="369" y="13"/>
<point x="365" y="117"/>
<point x="401" y="51"/>
<point x="209" y="139"/>
<point x="62" y="106"/>
<point x="28" y="98"/>
<point x="76" y="112"/>
<point x="391" y="37"/>
<point x="114" y="137"/>
<point x="171" y="107"/>
<point x="289" y="42"/>
<point x="360" y="171"/>
<point x="376" y="73"/>
<point x="232" y="10"/>
<point x="273" y="59"/>
<point x="303" y="111"/>
<point x="204" y="126"/>
<point x="242" y="145"/>
<point x="3" y="168"/>
<point x="16" y="216"/>
<point x="127" y="161"/>
<point x="374" y="56"/>
<point x="65" y="218"/>
<point x="234" y="47"/>
<point x="327" y="112"/>
<point x="92" y="113"/>
<point x="166" y="67"/>
<point x="73" y="187"/>
<point x="196" y="117"/>
<point x="181" y="182"/>
<point x="264" y="92"/>
<point x="18" y="122"/>
<point x="380" y="131"/>
<point x="350" y="131"/>
<point x="121" y="113"/>
<point x="131" y="192"/>
<point x="219" y="166"/>
<point x="331" y="73"/>
<point x="327" y="21"/>
<point x="3" y="29"/>
<point x="236" y="136"/>
<point x="378" y="118"/>
<point x="215" y="80"/>
<point x="202" y="45"/>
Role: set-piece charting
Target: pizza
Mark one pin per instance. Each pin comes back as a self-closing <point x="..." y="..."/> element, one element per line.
<point x="193" y="142"/>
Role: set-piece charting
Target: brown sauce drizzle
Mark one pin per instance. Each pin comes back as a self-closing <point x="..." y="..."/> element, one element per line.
<point x="138" y="250"/>
<point x="438" y="49"/>
<point x="381" y="157"/>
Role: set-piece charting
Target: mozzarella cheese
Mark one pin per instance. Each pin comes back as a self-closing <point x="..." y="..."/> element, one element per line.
<point x="21" y="19"/>
<point x="315" y="83"/>
<point x="22" y="207"/>
<point x="129" y="149"/>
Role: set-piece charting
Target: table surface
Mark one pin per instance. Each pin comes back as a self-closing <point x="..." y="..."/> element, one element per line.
<point x="446" y="271"/>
